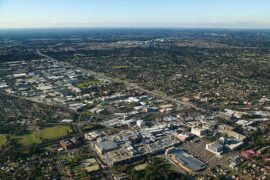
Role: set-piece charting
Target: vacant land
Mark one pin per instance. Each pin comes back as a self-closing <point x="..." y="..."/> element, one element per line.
<point x="85" y="84"/>
<point x="120" y="67"/>
<point x="36" y="137"/>
<point x="2" y="139"/>
<point x="140" y="167"/>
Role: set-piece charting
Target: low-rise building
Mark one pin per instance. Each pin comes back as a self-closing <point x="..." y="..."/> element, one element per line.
<point x="90" y="165"/>
<point x="140" y="123"/>
<point x="182" y="136"/>
<point x="91" y="136"/>
<point x="66" y="144"/>
<point x="119" y="156"/>
<point x="201" y="132"/>
<point x="233" y="134"/>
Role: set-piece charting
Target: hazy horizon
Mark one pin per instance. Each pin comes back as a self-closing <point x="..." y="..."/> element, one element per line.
<point x="240" y="14"/>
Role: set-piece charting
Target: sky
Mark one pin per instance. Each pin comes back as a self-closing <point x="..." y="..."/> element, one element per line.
<point x="135" y="13"/>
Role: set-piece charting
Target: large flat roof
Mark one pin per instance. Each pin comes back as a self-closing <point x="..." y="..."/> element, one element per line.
<point x="107" y="145"/>
<point x="216" y="145"/>
<point x="188" y="160"/>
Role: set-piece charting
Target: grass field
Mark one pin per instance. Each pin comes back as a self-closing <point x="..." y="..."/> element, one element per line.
<point x="124" y="67"/>
<point x="2" y="139"/>
<point x="250" y="55"/>
<point x="85" y="84"/>
<point x="49" y="133"/>
<point x="140" y="167"/>
<point x="120" y="67"/>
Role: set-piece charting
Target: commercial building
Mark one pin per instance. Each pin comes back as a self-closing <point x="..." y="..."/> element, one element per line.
<point x="119" y="156"/>
<point x="90" y="165"/>
<point x="91" y="136"/>
<point x="182" y="136"/>
<point x="234" y="161"/>
<point x="21" y="75"/>
<point x="201" y="132"/>
<point x="70" y="143"/>
<point x="215" y="148"/>
<point x="184" y="161"/>
<point x="233" y="134"/>
<point x="105" y="146"/>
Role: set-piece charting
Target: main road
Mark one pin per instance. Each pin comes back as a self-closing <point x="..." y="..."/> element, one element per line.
<point x="179" y="103"/>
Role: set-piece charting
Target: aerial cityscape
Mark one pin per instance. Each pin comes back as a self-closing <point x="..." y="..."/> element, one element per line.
<point x="133" y="102"/>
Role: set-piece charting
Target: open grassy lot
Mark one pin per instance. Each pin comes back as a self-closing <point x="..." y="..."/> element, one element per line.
<point x="54" y="132"/>
<point x="2" y="139"/>
<point x="36" y="137"/>
<point x="124" y="67"/>
<point x="120" y="67"/>
<point x="140" y="167"/>
<point x="91" y="127"/>
<point x="86" y="84"/>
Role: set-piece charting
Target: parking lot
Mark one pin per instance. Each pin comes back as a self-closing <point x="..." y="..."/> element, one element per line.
<point x="197" y="149"/>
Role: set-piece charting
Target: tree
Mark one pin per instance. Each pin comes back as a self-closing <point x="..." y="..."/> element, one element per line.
<point x="157" y="169"/>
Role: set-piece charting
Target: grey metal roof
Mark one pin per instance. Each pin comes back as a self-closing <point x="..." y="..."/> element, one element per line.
<point x="188" y="160"/>
<point x="107" y="145"/>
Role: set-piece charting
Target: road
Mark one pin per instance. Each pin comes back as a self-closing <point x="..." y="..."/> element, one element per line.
<point x="179" y="103"/>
